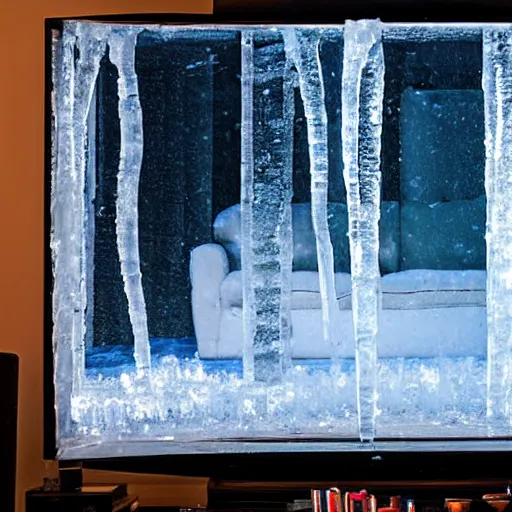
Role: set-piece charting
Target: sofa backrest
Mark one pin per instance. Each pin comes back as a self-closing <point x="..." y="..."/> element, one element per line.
<point x="443" y="206"/>
<point x="227" y="232"/>
<point x="442" y="145"/>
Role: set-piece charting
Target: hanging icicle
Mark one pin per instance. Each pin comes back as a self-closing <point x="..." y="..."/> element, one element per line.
<point x="302" y="46"/>
<point x="91" y="44"/>
<point x="246" y="202"/>
<point x="122" y="46"/>
<point x="362" y="97"/>
<point x="266" y="197"/>
<point x="65" y="248"/>
<point x="497" y="86"/>
<point x="286" y="223"/>
<point x="80" y="51"/>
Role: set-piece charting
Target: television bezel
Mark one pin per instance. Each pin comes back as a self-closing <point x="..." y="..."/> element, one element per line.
<point x="362" y="464"/>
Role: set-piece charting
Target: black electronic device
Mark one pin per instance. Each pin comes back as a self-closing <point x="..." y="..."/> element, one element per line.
<point x="97" y="498"/>
<point x="9" y="364"/>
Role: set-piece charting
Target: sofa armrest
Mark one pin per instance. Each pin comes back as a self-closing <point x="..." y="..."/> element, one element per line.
<point x="209" y="266"/>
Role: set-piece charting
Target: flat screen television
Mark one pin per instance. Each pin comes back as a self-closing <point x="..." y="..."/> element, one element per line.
<point x="279" y="237"/>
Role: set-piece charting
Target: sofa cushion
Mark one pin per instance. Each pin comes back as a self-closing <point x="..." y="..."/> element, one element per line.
<point x="305" y="290"/>
<point x="442" y="145"/>
<point x="423" y="289"/>
<point x="227" y="229"/>
<point x="411" y="289"/>
<point x="443" y="236"/>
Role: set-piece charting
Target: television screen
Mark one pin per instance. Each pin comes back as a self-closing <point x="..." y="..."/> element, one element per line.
<point x="280" y="237"/>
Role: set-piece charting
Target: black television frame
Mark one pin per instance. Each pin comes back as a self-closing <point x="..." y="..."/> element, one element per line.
<point x="358" y="465"/>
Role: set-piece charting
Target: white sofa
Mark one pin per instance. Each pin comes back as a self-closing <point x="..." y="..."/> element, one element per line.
<point x="425" y="313"/>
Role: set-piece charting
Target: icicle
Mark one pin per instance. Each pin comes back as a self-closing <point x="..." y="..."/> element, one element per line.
<point x="302" y="45"/>
<point x="266" y="196"/>
<point x="74" y="82"/>
<point x="362" y="96"/>
<point x="497" y="86"/>
<point x="90" y="222"/>
<point x="122" y="45"/>
<point x="65" y="248"/>
<point x="286" y="223"/>
<point x="91" y="44"/>
<point x="246" y="203"/>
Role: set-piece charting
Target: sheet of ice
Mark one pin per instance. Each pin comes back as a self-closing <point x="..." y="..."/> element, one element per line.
<point x="66" y="269"/>
<point x="122" y="45"/>
<point x="497" y="86"/>
<point x="430" y="32"/>
<point x="213" y="397"/>
<point x="362" y="97"/>
<point x="78" y="56"/>
<point x="302" y="46"/>
<point x="265" y="206"/>
<point x="194" y="399"/>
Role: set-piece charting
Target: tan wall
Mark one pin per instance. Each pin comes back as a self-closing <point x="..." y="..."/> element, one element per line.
<point x="21" y="195"/>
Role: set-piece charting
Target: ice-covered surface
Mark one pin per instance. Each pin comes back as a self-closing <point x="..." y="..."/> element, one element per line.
<point x="268" y="396"/>
<point x="196" y="399"/>
<point x="267" y="241"/>
<point x="362" y="97"/>
<point x="497" y="86"/>
<point x="78" y="61"/>
<point x="407" y="32"/>
<point x="65" y="249"/>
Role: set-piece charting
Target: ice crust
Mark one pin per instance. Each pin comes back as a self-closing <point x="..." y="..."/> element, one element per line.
<point x="497" y="86"/>
<point x="77" y="65"/>
<point x="445" y="397"/>
<point x="274" y="397"/>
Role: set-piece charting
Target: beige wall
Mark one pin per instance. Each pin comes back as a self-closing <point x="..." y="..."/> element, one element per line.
<point x="21" y="195"/>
